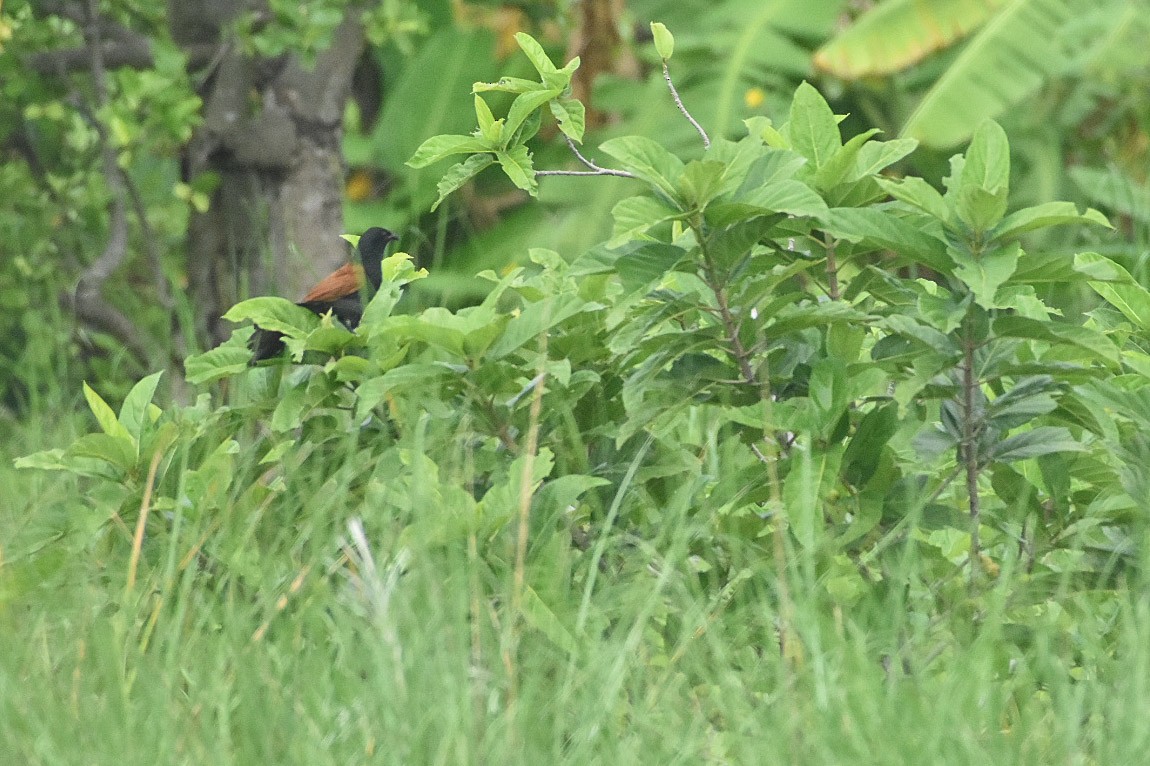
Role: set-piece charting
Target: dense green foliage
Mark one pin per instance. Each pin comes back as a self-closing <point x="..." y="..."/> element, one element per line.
<point x="802" y="455"/>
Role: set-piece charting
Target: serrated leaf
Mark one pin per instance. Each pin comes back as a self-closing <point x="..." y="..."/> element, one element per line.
<point x="437" y="148"/>
<point x="45" y="460"/>
<point x="516" y="163"/>
<point x="508" y="85"/>
<point x="635" y="215"/>
<point x="642" y="265"/>
<point x="699" y="182"/>
<point x="571" y="116"/>
<point x="812" y="471"/>
<point x="875" y="156"/>
<point x="276" y="314"/>
<point x="539" y="616"/>
<point x="788" y="196"/>
<point x="460" y="173"/>
<point x="985" y="274"/>
<point x="223" y="361"/>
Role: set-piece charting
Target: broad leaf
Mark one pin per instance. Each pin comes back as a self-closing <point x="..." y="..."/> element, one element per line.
<point x="437" y="148"/>
<point x="1042" y="216"/>
<point x="460" y="173"/>
<point x="813" y="129"/>
<point x="648" y="160"/>
<point x="1117" y="286"/>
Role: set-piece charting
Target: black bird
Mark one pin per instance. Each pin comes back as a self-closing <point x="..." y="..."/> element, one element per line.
<point x="338" y="292"/>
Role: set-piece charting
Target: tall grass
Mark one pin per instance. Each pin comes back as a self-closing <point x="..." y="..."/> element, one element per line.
<point x="288" y="637"/>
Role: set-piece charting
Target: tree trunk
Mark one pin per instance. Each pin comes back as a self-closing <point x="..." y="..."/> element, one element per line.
<point x="271" y="136"/>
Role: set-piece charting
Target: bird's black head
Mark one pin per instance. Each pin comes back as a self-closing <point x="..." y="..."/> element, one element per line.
<point x="372" y="246"/>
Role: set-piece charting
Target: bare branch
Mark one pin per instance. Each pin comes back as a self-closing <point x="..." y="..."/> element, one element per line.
<point x="683" y="109"/>
<point x="594" y="171"/>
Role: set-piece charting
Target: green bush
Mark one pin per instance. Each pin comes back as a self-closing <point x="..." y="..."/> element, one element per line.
<point x="786" y="379"/>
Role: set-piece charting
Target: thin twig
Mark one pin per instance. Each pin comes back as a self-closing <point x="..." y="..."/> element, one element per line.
<point x="683" y="109"/>
<point x="595" y="170"/>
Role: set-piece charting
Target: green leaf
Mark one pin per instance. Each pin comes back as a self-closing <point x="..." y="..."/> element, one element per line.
<point x="789" y="196"/>
<point x="133" y="412"/>
<point x="664" y="40"/>
<point x="829" y="395"/>
<point x="986" y="273"/>
<point x="835" y="170"/>
<point x="813" y="129"/>
<point x="417" y="377"/>
<point x="813" y="472"/>
<point x="535" y="319"/>
<point x="883" y="229"/>
<point x="1042" y="216"/>
<point x="437" y="148"/>
<point x="118" y="451"/>
<point x="699" y="182"/>
<point x="539" y="58"/>
<point x="1117" y="286"/>
<point x="635" y="215"/>
<point x="45" y="460"/>
<point x="915" y="191"/>
<point x="1097" y="345"/>
<point x="907" y="327"/>
<point x="875" y="156"/>
<point x="460" y="173"/>
<point x="571" y="116"/>
<point x="985" y="181"/>
<point x="490" y="128"/>
<point x="642" y="265"/>
<point x="539" y="616"/>
<point x="276" y="314"/>
<point x="1043" y="440"/>
<point x="223" y="361"/>
<point x="105" y="417"/>
<point x="648" y="160"/>
<point x="508" y="85"/>
<point x="516" y="163"/>
<point x="525" y="105"/>
<point x="1115" y="190"/>
<point x="862" y="455"/>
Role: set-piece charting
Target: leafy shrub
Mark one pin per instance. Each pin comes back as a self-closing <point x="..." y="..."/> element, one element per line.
<point x="818" y="370"/>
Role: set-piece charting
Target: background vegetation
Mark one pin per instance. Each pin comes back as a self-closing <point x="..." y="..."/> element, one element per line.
<point x="783" y="440"/>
